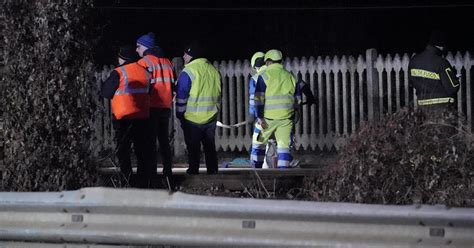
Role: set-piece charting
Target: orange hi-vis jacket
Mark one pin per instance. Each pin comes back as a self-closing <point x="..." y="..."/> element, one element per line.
<point x="132" y="98"/>
<point x="162" y="77"/>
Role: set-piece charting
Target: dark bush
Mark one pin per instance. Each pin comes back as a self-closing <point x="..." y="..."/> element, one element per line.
<point x="48" y="105"/>
<point x="409" y="157"/>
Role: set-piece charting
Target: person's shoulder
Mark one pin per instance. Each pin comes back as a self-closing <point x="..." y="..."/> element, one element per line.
<point x="134" y="66"/>
<point x="164" y="60"/>
<point x="444" y="62"/>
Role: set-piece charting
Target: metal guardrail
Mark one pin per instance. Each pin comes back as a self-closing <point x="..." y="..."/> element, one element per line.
<point x="106" y="216"/>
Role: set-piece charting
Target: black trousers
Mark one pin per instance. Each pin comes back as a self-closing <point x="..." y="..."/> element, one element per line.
<point x="194" y="135"/>
<point x="160" y="118"/>
<point x="136" y="132"/>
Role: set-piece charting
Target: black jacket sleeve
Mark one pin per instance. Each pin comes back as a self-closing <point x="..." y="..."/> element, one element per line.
<point x="306" y="90"/>
<point x="110" y="85"/>
<point x="448" y="78"/>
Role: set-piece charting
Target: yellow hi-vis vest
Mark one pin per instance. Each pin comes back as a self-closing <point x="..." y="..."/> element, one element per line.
<point x="205" y="93"/>
<point x="280" y="92"/>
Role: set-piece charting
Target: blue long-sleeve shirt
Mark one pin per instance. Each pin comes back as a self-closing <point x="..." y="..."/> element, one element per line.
<point x="183" y="86"/>
<point x="252" y="84"/>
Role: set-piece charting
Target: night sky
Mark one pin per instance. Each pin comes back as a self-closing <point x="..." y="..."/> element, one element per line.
<point x="236" y="29"/>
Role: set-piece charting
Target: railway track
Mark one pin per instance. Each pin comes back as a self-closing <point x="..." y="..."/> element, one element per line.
<point x="230" y="179"/>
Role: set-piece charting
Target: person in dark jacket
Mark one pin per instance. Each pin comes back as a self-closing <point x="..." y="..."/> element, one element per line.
<point x="433" y="77"/>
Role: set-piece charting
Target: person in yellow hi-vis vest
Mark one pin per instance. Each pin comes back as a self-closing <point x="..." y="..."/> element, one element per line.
<point x="197" y="105"/>
<point x="276" y="97"/>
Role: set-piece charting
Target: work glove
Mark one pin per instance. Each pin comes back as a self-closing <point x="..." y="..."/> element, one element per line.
<point x="262" y="123"/>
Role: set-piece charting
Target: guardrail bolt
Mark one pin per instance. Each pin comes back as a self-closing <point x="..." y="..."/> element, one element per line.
<point x="436" y="232"/>
<point x="77" y="218"/>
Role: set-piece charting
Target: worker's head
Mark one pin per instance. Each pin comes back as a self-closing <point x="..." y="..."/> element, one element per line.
<point x="145" y="42"/>
<point x="257" y="60"/>
<point x="438" y="39"/>
<point x="193" y="51"/>
<point x="273" y="56"/>
<point x="126" y="54"/>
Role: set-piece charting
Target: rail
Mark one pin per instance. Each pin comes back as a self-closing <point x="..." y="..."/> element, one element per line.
<point x="109" y="216"/>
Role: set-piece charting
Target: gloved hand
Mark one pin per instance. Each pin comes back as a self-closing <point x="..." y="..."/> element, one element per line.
<point x="262" y="123"/>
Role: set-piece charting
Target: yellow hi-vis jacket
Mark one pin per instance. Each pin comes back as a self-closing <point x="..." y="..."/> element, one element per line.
<point x="205" y="93"/>
<point x="279" y="96"/>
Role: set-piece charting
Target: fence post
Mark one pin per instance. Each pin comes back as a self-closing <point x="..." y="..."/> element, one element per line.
<point x="178" y="65"/>
<point x="372" y="85"/>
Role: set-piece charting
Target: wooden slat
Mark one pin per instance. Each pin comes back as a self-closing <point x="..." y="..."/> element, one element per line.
<point x="311" y="131"/>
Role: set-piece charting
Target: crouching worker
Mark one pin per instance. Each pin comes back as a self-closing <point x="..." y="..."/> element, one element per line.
<point x="128" y="88"/>
<point x="275" y="102"/>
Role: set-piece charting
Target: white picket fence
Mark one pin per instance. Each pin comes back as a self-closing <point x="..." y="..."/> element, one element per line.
<point x="350" y="90"/>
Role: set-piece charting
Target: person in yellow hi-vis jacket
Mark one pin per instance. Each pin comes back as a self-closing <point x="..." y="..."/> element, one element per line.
<point x="198" y="100"/>
<point x="276" y="97"/>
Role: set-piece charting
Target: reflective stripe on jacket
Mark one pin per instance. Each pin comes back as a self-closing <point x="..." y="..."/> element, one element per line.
<point x="204" y="96"/>
<point x="162" y="78"/>
<point x="131" y="99"/>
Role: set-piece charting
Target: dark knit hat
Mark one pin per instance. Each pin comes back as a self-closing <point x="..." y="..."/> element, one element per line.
<point x="194" y="50"/>
<point x="147" y="40"/>
<point x="127" y="53"/>
<point x="438" y="38"/>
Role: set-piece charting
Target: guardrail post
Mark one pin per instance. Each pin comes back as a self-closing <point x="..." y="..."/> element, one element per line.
<point x="178" y="143"/>
<point x="372" y="85"/>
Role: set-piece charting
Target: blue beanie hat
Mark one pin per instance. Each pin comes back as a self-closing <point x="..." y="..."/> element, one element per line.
<point x="147" y="40"/>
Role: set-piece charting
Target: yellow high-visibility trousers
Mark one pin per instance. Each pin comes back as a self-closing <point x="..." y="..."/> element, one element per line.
<point x="282" y="131"/>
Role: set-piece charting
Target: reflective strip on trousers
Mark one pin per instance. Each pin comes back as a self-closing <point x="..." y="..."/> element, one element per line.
<point x="181" y="100"/>
<point x="283" y="163"/>
<point x="283" y="150"/>
<point x="258" y="146"/>
<point x="181" y="108"/>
